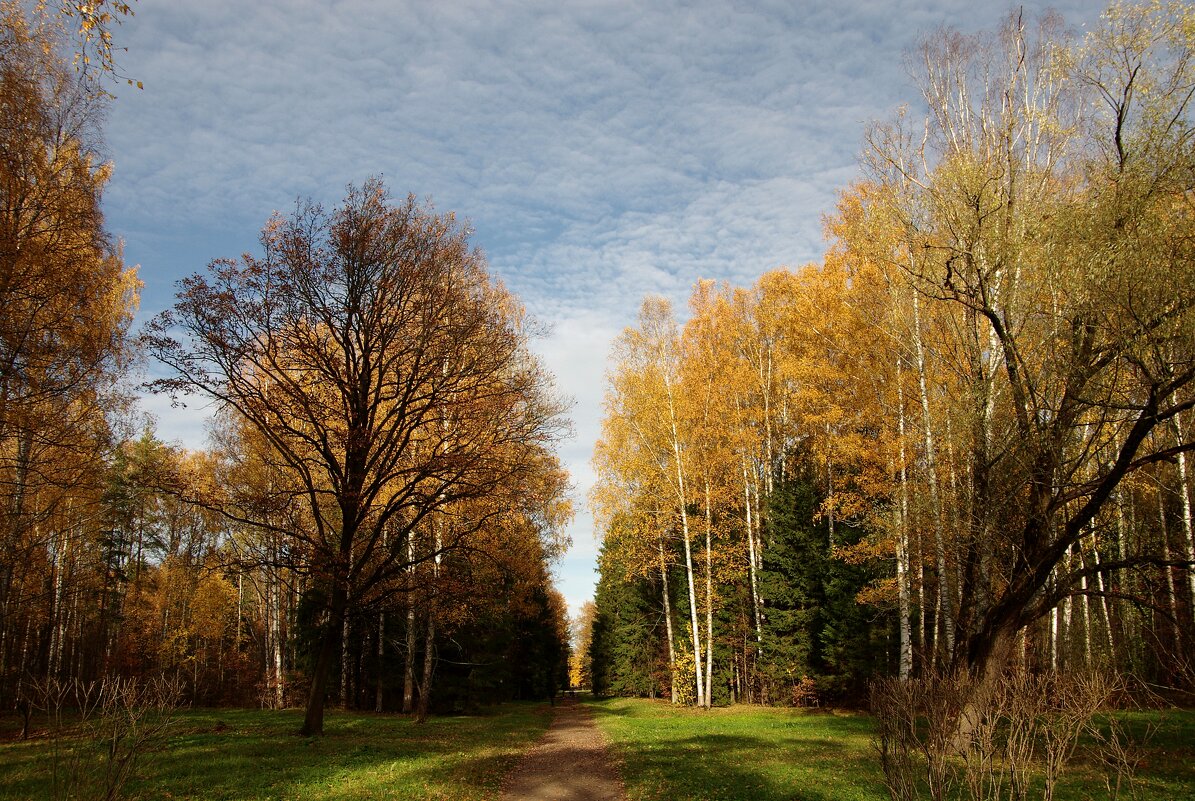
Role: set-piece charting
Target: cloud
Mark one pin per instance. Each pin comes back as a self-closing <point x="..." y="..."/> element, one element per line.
<point x="601" y="150"/>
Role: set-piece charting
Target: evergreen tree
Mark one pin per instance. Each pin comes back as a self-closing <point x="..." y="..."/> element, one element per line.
<point x="819" y="636"/>
<point x="626" y="650"/>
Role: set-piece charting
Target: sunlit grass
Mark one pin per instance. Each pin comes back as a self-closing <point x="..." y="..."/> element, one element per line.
<point x="763" y="754"/>
<point x="743" y="752"/>
<point x="251" y="755"/>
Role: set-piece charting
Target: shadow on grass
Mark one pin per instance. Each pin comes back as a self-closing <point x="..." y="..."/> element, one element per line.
<point x="737" y="767"/>
<point x="681" y="754"/>
<point x="246" y="754"/>
<point x="770" y="755"/>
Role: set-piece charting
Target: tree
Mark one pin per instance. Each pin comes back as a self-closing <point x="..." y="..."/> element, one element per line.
<point x="1045" y="205"/>
<point x="580" y="673"/>
<point x="66" y="301"/>
<point x="389" y="376"/>
<point x="90" y="26"/>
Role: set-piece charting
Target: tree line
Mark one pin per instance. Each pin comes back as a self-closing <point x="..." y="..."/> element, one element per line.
<point x="375" y="514"/>
<point x="960" y="442"/>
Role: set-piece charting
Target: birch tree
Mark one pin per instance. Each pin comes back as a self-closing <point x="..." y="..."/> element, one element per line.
<point x="1045" y="201"/>
<point x="645" y="405"/>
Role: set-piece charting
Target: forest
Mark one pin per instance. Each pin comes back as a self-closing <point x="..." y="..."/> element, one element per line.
<point x="950" y="456"/>
<point x="911" y="521"/>
<point x="960" y="442"/>
<point x="374" y="518"/>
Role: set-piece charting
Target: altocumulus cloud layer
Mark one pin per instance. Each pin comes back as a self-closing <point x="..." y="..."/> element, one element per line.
<point x="600" y="150"/>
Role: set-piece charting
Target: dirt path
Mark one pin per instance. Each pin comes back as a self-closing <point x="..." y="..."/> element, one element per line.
<point x="571" y="763"/>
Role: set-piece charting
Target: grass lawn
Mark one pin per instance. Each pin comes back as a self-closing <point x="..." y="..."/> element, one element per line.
<point x="252" y="754"/>
<point x="743" y="752"/>
<point x="761" y="754"/>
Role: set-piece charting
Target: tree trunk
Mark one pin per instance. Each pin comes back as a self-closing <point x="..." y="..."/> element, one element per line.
<point x="313" y="721"/>
<point x="346" y="657"/>
<point x="1068" y="618"/>
<point x="1054" y="633"/>
<point x="752" y="556"/>
<point x="1087" y="655"/>
<point x="695" y="627"/>
<point x="274" y="589"/>
<point x="684" y="519"/>
<point x="1105" y="604"/>
<point x="945" y="592"/>
<point x="1171" y="595"/>
<point x="667" y="620"/>
<point x="902" y="540"/>
<point x="429" y="666"/>
<point x="1184" y="492"/>
<point x="377" y="703"/>
<point x="709" y="600"/>
<point x="429" y="640"/>
<point x="989" y="656"/>
<point x="408" y="686"/>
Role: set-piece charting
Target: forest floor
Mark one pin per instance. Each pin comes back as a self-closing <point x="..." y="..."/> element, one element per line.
<point x="572" y="762"/>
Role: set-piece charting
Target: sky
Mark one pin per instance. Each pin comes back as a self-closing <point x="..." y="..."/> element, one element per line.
<point x="601" y="151"/>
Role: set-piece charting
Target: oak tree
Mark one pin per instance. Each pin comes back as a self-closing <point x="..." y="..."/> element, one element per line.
<point x="389" y="375"/>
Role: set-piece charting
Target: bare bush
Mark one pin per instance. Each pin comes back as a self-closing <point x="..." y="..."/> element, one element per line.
<point x="99" y="730"/>
<point x="943" y="738"/>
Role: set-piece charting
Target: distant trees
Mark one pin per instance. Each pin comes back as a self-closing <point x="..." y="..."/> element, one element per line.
<point x="771" y="440"/>
<point x="387" y="377"/>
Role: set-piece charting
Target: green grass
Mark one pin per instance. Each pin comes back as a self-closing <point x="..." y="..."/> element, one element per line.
<point x="742" y="752"/>
<point x="1164" y="744"/>
<point x="246" y="755"/>
<point x="762" y="754"/>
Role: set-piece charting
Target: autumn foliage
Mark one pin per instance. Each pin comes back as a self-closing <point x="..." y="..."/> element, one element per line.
<point x="972" y="419"/>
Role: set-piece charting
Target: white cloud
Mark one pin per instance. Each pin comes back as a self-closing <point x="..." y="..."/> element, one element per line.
<point x="602" y="150"/>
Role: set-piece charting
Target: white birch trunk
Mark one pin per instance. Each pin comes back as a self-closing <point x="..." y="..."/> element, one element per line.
<point x="672" y="678"/>
<point x="57" y="615"/>
<point x="685" y="533"/>
<point x="902" y="540"/>
<point x="1067" y="616"/>
<point x="751" y="563"/>
<point x="1054" y="615"/>
<point x="1171" y="594"/>
<point x="1184" y="492"/>
<point x="1105" y="605"/>
<point x="945" y="592"/>
<point x="1107" y="609"/>
<point x="408" y="685"/>
<point x="276" y="639"/>
<point x="429" y="648"/>
<point x="709" y="600"/>
<point x="693" y="620"/>
<point x="1086" y="611"/>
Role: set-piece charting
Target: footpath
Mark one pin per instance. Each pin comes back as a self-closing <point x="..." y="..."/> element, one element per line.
<point x="571" y="763"/>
